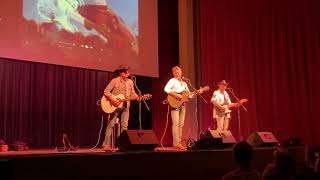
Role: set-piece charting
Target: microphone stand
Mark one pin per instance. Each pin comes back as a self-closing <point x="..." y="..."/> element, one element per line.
<point x="238" y="110"/>
<point x="67" y="146"/>
<point x="194" y="89"/>
<point x="196" y="111"/>
<point x="134" y="79"/>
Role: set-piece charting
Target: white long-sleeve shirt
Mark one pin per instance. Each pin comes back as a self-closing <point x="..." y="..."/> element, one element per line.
<point x="174" y="85"/>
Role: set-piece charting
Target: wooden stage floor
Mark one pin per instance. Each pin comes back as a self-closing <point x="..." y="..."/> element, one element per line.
<point x="96" y="164"/>
<point x="77" y="151"/>
<point x="47" y="152"/>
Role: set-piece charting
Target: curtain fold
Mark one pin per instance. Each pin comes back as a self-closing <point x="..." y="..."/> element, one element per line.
<point x="40" y="102"/>
<point x="268" y="51"/>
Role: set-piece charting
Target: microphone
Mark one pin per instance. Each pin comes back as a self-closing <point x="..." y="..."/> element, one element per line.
<point x="185" y="79"/>
<point x="229" y="88"/>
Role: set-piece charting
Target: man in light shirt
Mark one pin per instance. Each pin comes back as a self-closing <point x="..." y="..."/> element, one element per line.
<point x="221" y="100"/>
<point x="175" y="87"/>
<point x="222" y="105"/>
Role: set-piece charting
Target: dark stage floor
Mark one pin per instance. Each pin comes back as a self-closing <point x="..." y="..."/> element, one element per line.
<point x="98" y="164"/>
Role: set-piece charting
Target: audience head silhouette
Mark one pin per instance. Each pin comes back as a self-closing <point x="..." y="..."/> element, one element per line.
<point x="242" y="153"/>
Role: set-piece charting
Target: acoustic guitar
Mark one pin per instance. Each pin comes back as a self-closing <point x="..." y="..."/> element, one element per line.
<point x="108" y="107"/>
<point x="176" y="103"/>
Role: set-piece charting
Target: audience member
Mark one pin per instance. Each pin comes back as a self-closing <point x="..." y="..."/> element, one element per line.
<point x="242" y="152"/>
<point x="283" y="167"/>
<point x="311" y="170"/>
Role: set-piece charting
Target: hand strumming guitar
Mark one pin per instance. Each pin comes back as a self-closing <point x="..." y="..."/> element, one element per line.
<point x="114" y="102"/>
<point x="176" y="95"/>
<point x="222" y="109"/>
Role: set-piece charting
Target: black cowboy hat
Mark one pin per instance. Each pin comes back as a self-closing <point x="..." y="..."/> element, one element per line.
<point x="122" y="68"/>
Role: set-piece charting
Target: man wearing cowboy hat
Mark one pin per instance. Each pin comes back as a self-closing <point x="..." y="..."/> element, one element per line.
<point x="221" y="100"/>
<point x="119" y="85"/>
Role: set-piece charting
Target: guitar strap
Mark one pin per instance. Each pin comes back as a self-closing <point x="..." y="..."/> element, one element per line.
<point x="225" y="102"/>
<point x="127" y="94"/>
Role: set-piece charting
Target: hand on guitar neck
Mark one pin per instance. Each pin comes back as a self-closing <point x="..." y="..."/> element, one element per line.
<point x="144" y="97"/>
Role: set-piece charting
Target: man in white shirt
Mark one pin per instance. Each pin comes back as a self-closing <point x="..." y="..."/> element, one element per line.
<point x="221" y="101"/>
<point x="175" y="87"/>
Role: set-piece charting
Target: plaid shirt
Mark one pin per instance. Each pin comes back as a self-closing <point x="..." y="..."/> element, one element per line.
<point x="118" y="86"/>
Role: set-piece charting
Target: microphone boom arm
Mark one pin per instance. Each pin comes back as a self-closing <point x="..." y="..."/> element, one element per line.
<point x="232" y="92"/>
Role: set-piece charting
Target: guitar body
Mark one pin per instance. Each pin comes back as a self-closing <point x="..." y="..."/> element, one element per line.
<point x="176" y="103"/>
<point x="222" y="113"/>
<point x="108" y="107"/>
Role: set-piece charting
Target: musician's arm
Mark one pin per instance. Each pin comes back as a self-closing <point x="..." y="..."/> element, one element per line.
<point x="237" y="104"/>
<point x="191" y="95"/>
<point x="133" y="93"/>
<point x="108" y="89"/>
<point x="230" y="104"/>
<point x="216" y="104"/>
<point x="176" y="95"/>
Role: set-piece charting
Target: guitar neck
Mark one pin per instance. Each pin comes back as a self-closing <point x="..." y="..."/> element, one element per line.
<point x="130" y="99"/>
<point x="237" y="104"/>
<point x="126" y="99"/>
<point x="196" y="92"/>
<point x="232" y="105"/>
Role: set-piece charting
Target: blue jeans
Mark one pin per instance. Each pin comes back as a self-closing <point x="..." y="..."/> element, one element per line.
<point x="123" y="124"/>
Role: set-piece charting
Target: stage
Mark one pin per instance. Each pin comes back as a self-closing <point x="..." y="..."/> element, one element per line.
<point x="98" y="164"/>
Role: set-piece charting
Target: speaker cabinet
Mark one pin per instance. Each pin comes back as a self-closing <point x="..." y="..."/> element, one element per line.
<point x="214" y="139"/>
<point x="292" y="142"/>
<point x="132" y="140"/>
<point x="262" y="139"/>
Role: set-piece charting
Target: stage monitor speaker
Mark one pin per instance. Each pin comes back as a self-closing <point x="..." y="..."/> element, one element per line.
<point x="213" y="139"/>
<point x="292" y="142"/>
<point x="132" y="140"/>
<point x="262" y="139"/>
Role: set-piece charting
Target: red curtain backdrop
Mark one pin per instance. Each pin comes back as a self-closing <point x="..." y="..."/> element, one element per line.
<point x="39" y="102"/>
<point x="268" y="50"/>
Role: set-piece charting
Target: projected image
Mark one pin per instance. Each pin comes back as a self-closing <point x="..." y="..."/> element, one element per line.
<point x="115" y="25"/>
<point x="94" y="34"/>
